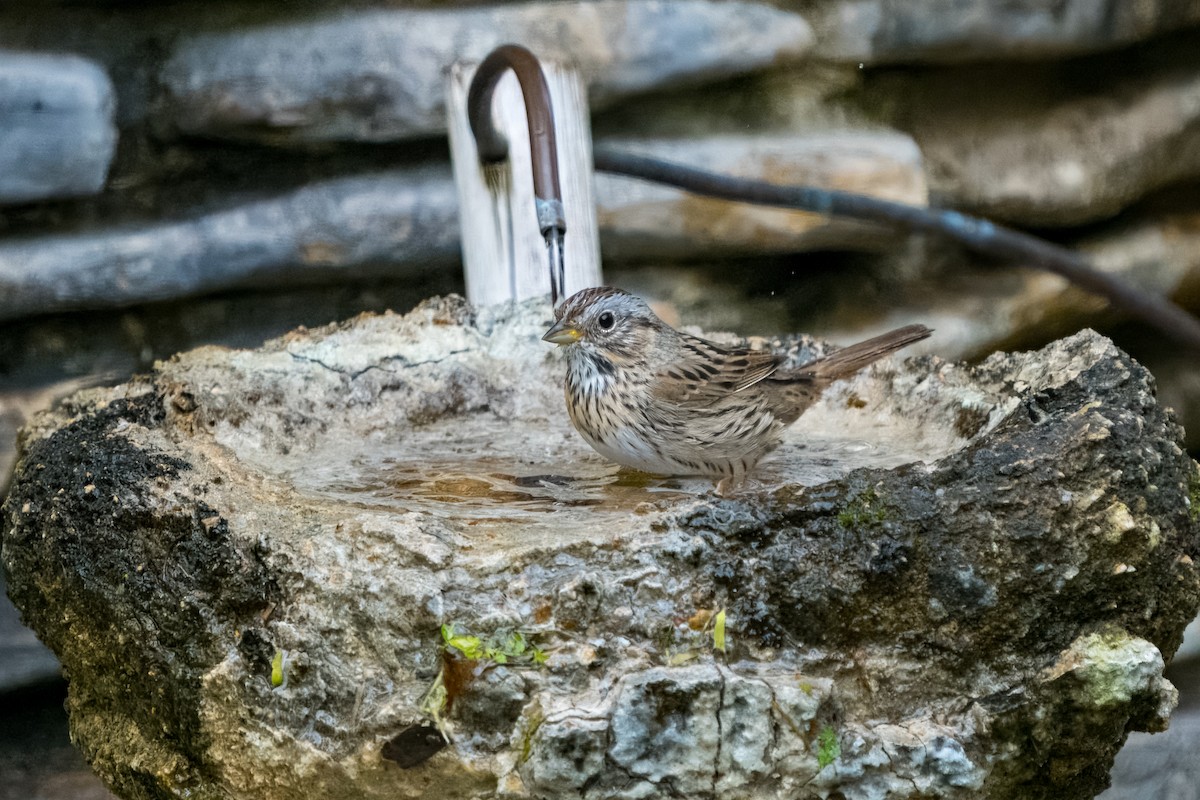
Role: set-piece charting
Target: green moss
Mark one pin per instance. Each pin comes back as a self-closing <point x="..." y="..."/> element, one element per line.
<point x="529" y="730"/>
<point x="1112" y="667"/>
<point x="865" y="509"/>
<point x="501" y="647"/>
<point x="828" y="747"/>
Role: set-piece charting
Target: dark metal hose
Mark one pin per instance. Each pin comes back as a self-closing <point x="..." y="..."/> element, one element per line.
<point x="977" y="234"/>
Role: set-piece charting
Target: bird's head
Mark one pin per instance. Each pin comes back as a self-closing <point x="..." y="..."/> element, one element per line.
<point x="608" y="319"/>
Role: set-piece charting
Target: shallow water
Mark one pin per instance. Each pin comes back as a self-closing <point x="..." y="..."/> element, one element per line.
<point x="478" y="469"/>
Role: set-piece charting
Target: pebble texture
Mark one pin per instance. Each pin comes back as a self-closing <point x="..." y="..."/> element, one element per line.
<point x="247" y="584"/>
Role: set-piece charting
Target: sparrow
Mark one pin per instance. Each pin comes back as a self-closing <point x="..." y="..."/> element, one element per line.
<point x="654" y="399"/>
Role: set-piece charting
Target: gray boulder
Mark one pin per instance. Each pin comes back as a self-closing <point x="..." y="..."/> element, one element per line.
<point x="57" y="135"/>
<point x="279" y="571"/>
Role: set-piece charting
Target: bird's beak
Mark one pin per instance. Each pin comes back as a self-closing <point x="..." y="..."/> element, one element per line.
<point x="563" y="332"/>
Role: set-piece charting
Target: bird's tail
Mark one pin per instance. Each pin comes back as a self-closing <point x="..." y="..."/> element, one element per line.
<point x="849" y="360"/>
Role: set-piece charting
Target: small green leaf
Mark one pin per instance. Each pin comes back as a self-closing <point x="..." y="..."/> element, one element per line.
<point x="539" y="656"/>
<point x="277" y="669"/>
<point x="719" y="631"/>
<point x="469" y="646"/>
<point x="498" y="647"/>
<point x="828" y="748"/>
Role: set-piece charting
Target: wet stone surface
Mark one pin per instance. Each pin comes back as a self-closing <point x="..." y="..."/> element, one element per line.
<point x="261" y="569"/>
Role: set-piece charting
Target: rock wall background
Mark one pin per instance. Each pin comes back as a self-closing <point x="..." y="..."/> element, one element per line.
<point x="187" y="172"/>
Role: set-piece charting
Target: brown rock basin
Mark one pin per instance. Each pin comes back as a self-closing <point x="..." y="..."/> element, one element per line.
<point x="265" y="570"/>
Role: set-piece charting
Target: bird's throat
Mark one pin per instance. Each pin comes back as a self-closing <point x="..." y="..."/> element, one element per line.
<point x="601" y="364"/>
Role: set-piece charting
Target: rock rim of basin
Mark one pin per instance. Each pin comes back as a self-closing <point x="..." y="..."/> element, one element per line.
<point x="950" y="581"/>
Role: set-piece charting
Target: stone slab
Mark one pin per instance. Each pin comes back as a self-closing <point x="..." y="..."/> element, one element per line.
<point x="379" y="75"/>
<point x="955" y="31"/>
<point x="1044" y="146"/>
<point x="57" y="135"/>
<point x="382" y="224"/>
<point x="405" y="223"/>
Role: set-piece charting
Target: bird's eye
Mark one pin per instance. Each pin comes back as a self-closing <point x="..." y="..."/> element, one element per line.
<point x="606" y="320"/>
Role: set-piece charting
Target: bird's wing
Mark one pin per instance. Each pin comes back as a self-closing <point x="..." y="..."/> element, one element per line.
<point x="706" y="372"/>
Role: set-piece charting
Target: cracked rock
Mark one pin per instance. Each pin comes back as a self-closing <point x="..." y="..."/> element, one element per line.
<point x="277" y="571"/>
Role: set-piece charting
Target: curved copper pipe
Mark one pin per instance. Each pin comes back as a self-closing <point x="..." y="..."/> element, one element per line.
<point x="493" y="147"/>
